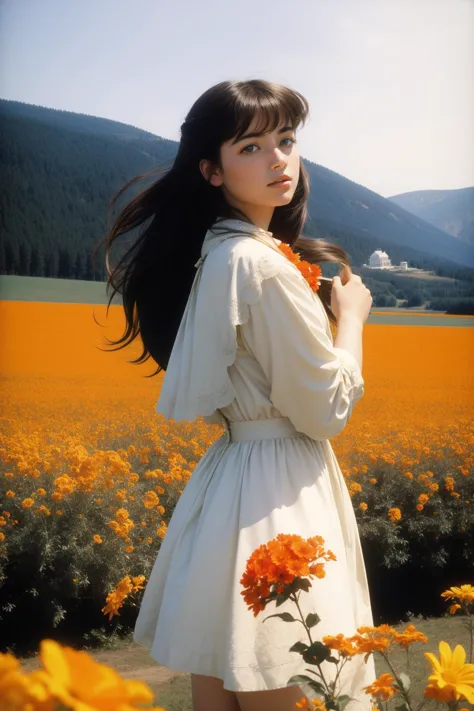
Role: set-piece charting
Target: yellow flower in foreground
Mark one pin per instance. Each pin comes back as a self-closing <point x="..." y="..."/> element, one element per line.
<point x="451" y="679"/>
<point x="97" y="538"/>
<point x="80" y="683"/>
<point x="19" y="691"/>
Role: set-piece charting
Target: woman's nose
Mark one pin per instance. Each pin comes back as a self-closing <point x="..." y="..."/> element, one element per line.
<point x="277" y="157"/>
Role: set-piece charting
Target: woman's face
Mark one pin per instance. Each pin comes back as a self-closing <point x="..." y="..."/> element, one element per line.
<point x="250" y="165"/>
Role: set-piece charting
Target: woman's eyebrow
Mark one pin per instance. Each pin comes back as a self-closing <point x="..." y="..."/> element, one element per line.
<point x="256" y="134"/>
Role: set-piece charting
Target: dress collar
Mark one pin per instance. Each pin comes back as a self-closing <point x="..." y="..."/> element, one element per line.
<point x="223" y="229"/>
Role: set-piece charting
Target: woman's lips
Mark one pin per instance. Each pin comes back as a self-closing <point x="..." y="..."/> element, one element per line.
<point x="280" y="184"/>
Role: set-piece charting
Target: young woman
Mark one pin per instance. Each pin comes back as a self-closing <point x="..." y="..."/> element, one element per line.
<point x="246" y="342"/>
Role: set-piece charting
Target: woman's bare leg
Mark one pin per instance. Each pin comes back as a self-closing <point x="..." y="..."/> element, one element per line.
<point x="208" y="694"/>
<point x="272" y="700"/>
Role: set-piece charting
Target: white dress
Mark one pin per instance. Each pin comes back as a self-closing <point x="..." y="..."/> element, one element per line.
<point x="255" y="344"/>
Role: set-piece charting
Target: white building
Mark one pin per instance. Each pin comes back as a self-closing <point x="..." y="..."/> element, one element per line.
<point x="379" y="260"/>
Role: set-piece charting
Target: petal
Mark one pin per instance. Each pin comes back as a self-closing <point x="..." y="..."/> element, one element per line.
<point x="466" y="674"/>
<point x="138" y="692"/>
<point x="434" y="662"/>
<point x="54" y="662"/>
<point x="466" y="691"/>
<point x="459" y="657"/>
<point x="445" y="654"/>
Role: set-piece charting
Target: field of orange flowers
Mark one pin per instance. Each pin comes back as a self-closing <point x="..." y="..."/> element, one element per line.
<point x="90" y="474"/>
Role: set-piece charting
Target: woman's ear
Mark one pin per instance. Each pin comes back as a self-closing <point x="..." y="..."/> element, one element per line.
<point x="210" y="172"/>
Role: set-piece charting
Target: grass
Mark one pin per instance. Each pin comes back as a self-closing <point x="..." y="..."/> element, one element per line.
<point x="175" y="695"/>
<point x="173" y="689"/>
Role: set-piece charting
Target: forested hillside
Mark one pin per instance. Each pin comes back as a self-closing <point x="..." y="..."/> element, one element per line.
<point x="60" y="170"/>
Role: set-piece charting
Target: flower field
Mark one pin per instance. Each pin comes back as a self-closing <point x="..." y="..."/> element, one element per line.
<point x="90" y="474"/>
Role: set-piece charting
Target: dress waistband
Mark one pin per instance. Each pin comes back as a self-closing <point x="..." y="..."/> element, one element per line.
<point x="272" y="428"/>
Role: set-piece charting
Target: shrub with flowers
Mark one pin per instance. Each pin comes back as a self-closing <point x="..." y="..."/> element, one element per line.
<point x="283" y="568"/>
<point x="74" y="519"/>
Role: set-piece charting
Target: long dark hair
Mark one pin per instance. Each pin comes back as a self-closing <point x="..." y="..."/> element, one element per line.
<point x="155" y="274"/>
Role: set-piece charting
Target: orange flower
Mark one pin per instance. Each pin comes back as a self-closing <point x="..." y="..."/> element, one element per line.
<point x="278" y="563"/>
<point x="394" y="514"/>
<point x="409" y="636"/>
<point x="346" y="646"/>
<point x="311" y="272"/>
<point x="382" y="687"/>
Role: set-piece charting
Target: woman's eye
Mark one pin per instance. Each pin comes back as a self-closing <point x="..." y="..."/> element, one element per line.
<point x="254" y="145"/>
<point x="244" y="150"/>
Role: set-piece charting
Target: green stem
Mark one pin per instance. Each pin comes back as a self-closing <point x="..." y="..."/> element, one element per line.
<point x="398" y="680"/>
<point x="471" y="630"/>
<point x="295" y="600"/>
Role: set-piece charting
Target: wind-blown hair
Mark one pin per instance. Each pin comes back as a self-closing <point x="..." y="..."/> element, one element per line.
<point x="173" y="214"/>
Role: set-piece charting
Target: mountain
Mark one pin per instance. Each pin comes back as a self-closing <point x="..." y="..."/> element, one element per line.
<point x="61" y="169"/>
<point x="449" y="210"/>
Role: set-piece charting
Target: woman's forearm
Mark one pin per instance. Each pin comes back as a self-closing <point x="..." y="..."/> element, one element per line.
<point x="349" y="335"/>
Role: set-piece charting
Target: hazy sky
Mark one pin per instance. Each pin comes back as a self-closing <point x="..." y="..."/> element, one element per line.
<point x="390" y="82"/>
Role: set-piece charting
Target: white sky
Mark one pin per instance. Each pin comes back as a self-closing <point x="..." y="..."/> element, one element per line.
<point x="390" y="82"/>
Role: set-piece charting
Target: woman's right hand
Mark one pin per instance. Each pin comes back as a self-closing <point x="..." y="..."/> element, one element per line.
<point x="350" y="296"/>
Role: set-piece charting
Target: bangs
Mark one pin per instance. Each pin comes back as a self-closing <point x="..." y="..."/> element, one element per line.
<point x="270" y="108"/>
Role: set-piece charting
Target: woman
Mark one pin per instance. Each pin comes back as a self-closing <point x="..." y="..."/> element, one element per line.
<point x="246" y="342"/>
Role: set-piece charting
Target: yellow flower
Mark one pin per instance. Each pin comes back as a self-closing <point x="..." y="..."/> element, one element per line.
<point x="363" y="506"/>
<point x="78" y="682"/>
<point x="451" y="677"/>
<point x="19" y="691"/>
<point x="2" y="536"/>
<point x="97" y="538"/>
<point x="27" y="503"/>
<point x="464" y="592"/>
<point x="10" y="494"/>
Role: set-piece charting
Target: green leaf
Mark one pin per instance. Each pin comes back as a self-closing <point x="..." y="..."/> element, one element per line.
<point x="312" y="619"/>
<point x="285" y="616"/>
<point x="316" y="653"/>
<point x="299" y="647"/>
<point x="280" y="599"/>
<point x="303" y="584"/>
<point x="310" y="687"/>
<point x="343" y="700"/>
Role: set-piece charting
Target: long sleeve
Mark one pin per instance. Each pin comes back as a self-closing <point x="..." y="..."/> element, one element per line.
<point x="313" y="382"/>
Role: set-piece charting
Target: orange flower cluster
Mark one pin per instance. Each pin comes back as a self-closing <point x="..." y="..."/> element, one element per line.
<point x="311" y="272"/>
<point x="373" y="639"/>
<point x="278" y="563"/>
<point x="122" y="524"/>
<point x="124" y="588"/>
